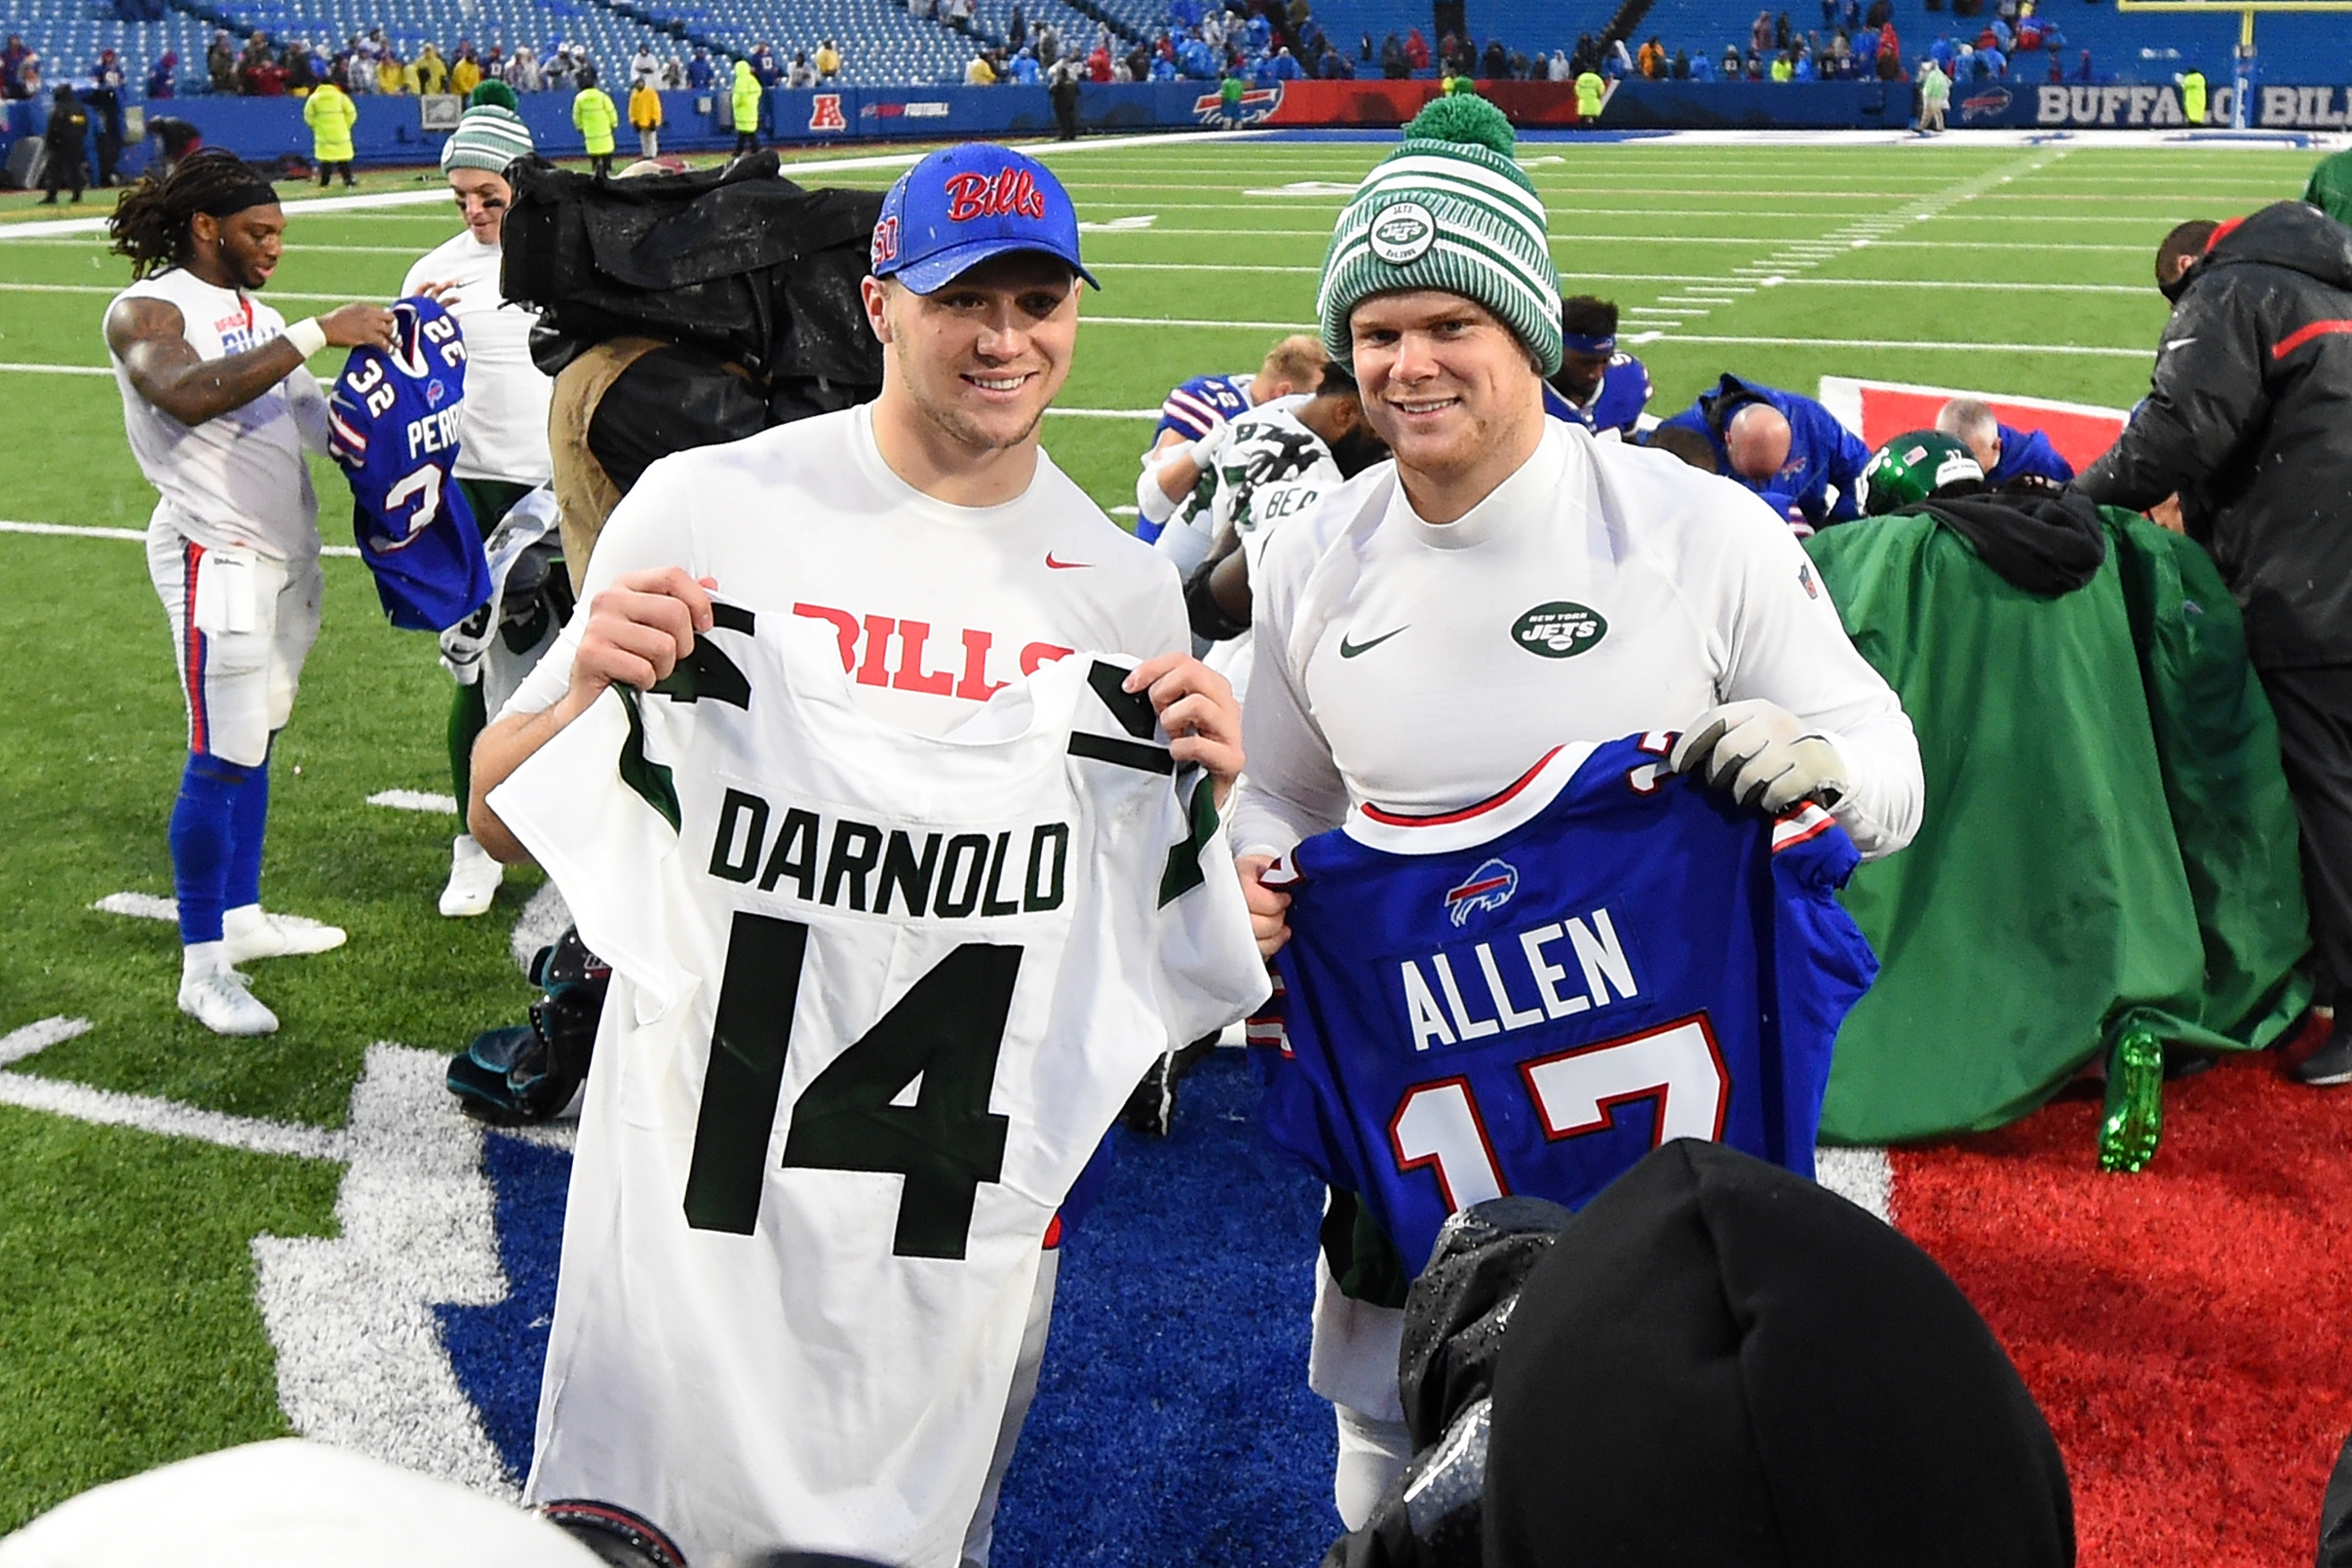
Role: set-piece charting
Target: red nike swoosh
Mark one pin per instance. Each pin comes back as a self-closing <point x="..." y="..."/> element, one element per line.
<point x="1065" y="565"/>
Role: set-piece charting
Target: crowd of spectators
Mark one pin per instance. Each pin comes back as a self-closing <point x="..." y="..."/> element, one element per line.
<point x="2016" y="43"/>
<point x="372" y="64"/>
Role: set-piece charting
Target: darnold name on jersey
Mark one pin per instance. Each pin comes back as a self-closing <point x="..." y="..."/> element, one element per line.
<point x="1533" y="979"/>
<point x="843" y="863"/>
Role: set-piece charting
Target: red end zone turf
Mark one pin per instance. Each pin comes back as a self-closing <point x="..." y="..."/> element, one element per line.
<point x="2188" y="1330"/>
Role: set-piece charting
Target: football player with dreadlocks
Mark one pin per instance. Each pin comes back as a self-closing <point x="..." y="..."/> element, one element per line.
<point x="219" y="411"/>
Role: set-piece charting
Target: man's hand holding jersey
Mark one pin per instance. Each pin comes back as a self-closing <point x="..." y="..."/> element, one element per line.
<point x="1761" y="755"/>
<point x="1199" y="711"/>
<point x="637" y="630"/>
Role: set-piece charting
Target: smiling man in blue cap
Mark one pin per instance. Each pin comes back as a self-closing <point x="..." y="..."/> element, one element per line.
<point x="928" y="533"/>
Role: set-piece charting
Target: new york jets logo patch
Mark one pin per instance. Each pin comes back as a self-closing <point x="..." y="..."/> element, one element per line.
<point x="1560" y="629"/>
<point x="1403" y="232"/>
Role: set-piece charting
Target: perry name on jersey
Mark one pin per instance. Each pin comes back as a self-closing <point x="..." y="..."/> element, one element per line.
<point x="392" y="422"/>
<point x="1528" y="995"/>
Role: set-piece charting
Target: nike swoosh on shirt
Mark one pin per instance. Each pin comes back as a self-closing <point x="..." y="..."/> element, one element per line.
<point x="1349" y="650"/>
<point x="1065" y="565"/>
<point x="2178" y="342"/>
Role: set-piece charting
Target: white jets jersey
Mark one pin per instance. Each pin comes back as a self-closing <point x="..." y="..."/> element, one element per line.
<point x="877" y="997"/>
<point x="237" y="479"/>
<point x="1271" y="468"/>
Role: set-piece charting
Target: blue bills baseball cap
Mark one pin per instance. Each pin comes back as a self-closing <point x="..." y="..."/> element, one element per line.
<point x="965" y="205"/>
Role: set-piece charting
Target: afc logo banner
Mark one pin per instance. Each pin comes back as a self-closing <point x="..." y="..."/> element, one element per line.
<point x="825" y="113"/>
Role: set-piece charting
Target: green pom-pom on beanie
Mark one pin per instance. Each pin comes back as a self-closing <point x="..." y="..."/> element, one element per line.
<point x="497" y="92"/>
<point x="1467" y="118"/>
<point x="1450" y="209"/>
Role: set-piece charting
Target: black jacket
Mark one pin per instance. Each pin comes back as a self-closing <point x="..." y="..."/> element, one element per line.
<point x="2249" y="419"/>
<point x="68" y="124"/>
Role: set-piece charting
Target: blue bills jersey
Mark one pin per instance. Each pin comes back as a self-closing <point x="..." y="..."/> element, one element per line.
<point x="1202" y="403"/>
<point x="1528" y="995"/>
<point x="1618" y="405"/>
<point x="1823" y="454"/>
<point x="392" y="422"/>
<point x="2028" y="453"/>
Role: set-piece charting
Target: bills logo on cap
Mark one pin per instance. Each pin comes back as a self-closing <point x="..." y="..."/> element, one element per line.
<point x="1489" y="887"/>
<point x="1403" y="232"/>
<point x="965" y="205"/>
<point x="1008" y="193"/>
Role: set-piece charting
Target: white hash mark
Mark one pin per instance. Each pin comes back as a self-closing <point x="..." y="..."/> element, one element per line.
<point x="414" y="800"/>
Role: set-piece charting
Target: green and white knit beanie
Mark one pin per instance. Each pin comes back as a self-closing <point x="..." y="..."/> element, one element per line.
<point x="1449" y="209"/>
<point x="490" y="137"/>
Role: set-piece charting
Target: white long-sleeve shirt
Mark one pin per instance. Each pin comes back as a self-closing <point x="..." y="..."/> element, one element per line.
<point x="1602" y="590"/>
<point x="502" y="423"/>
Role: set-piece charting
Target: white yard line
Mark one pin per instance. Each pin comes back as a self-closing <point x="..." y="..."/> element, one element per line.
<point x="361" y="1361"/>
<point x="2074" y="349"/>
<point x="1796" y="257"/>
<point x="167" y="1118"/>
<point x="56" y="370"/>
<point x="1862" y="1176"/>
<point x="438" y="195"/>
<point x="18" y="1044"/>
<point x="128" y="535"/>
<point x="138" y="906"/>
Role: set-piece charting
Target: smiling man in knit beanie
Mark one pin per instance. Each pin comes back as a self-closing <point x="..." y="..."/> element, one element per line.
<point x="502" y="439"/>
<point x="1506" y="585"/>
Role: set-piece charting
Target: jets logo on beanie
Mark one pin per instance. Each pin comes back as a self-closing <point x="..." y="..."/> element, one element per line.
<point x="1450" y="209"/>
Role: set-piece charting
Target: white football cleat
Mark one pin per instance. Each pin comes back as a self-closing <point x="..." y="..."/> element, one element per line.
<point x="219" y="1001"/>
<point x="248" y="934"/>
<point x="474" y="879"/>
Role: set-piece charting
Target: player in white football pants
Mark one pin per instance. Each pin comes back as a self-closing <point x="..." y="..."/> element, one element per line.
<point x="929" y="529"/>
<point x="219" y="412"/>
<point x="1508" y="584"/>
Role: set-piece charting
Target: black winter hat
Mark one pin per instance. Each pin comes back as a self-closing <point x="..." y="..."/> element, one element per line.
<point x="1724" y="1365"/>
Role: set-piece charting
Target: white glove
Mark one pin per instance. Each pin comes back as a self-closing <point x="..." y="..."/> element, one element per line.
<point x="1762" y="755"/>
<point x="1202" y="451"/>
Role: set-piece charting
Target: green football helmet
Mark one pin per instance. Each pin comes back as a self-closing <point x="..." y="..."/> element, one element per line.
<point x="1913" y="467"/>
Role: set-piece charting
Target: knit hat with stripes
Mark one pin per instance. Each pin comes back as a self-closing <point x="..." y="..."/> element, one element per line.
<point x="1449" y="209"/>
<point x="490" y="137"/>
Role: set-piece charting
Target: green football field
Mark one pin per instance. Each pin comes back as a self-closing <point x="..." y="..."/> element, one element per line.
<point x="129" y="1332"/>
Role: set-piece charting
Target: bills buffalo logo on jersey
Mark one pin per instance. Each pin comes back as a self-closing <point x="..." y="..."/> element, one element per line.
<point x="1489" y="887"/>
<point x="1008" y="193"/>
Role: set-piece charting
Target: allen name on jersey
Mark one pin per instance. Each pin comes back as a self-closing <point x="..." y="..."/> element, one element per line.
<point x="1599" y="958"/>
